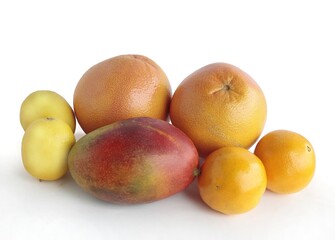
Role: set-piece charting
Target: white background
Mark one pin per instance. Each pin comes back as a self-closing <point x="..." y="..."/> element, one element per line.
<point x="288" y="47"/>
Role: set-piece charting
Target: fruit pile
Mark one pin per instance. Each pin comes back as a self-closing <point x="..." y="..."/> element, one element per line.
<point x="131" y="153"/>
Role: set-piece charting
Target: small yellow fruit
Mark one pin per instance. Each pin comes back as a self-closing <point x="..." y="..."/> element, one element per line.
<point x="232" y="180"/>
<point x="45" y="147"/>
<point x="43" y="104"/>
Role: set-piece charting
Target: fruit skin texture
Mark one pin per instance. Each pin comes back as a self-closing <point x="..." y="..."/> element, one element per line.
<point x="121" y="87"/>
<point x="134" y="161"/>
<point x="217" y="106"/>
<point x="289" y="160"/>
<point x="232" y="180"/>
<point x="45" y="147"/>
<point x="43" y="104"/>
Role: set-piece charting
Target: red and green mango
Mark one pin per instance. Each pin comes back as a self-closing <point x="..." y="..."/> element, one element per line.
<point x="136" y="160"/>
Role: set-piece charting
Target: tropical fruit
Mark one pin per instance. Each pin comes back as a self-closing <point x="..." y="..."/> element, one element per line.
<point x="217" y="106"/>
<point x="46" y="104"/>
<point x="134" y="161"/>
<point x="289" y="160"/>
<point x="232" y="180"/>
<point x="45" y="147"/>
<point x="121" y="87"/>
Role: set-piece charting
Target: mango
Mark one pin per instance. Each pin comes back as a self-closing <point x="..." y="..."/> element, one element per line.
<point x="136" y="160"/>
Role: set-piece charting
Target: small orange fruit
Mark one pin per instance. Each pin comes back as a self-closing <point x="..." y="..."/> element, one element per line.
<point x="289" y="160"/>
<point x="232" y="180"/>
<point x="217" y="106"/>
<point x="121" y="87"/>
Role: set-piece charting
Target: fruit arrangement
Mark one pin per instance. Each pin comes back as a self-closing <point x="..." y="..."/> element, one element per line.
<point x="132" y="153"/>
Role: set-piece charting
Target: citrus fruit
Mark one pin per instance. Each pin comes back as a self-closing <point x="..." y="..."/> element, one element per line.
<point x="232" y="180"/>
<point x="121" y="87"/>
<point x="289" y="160"/>
<point x="217" y="106"/>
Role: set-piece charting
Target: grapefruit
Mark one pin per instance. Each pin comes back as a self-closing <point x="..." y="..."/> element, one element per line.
<point x="121" y="87"/>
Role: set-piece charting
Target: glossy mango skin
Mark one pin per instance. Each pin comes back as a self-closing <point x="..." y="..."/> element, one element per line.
<point x="136" y="160"/>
